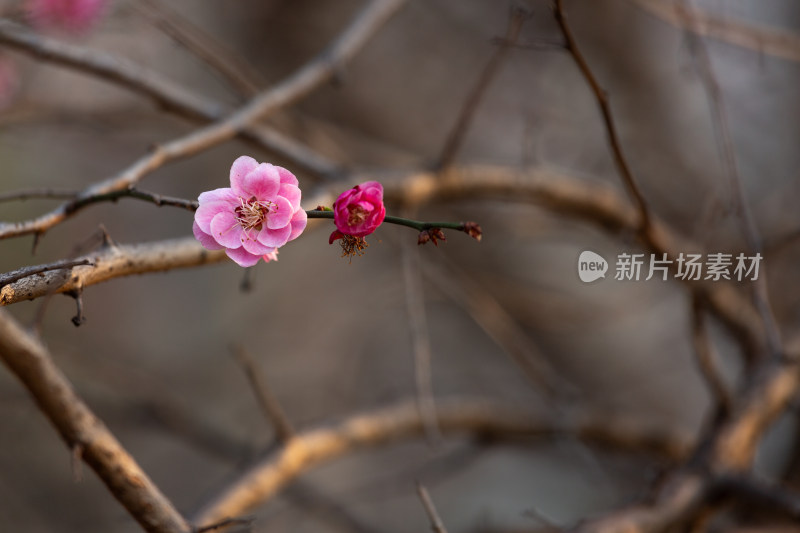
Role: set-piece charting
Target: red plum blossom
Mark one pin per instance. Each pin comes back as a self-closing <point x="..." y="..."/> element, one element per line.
<point x="358" y="211"/>
<point x="258" y="214"/>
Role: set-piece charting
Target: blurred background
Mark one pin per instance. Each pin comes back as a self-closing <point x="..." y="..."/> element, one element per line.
<point x="333" y="337"/>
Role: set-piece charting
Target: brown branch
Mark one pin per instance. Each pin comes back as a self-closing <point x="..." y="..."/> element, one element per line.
<point x="163" y="91"/>
<point x="47" y="193"/>
<point x="16" y="275"/>
<point x="728" y="153"/>
<point x="728" y="451"/>
<point x="109" y="263"/>
<point x="230" y="67"/>
<point x="456" y="136"/>
<point x="437" y="526"/>
<point x="760" y="39"/>
<point x="310" y="448"/>
<point x="707" y="360"/>
<point x="608" y="119"/>
<point x="266" y="400"/>
<point x="296" y="86"/>
<point x="81" y="430"/>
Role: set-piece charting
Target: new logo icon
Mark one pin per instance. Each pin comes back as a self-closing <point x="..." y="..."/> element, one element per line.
<point x="591" y="266"/>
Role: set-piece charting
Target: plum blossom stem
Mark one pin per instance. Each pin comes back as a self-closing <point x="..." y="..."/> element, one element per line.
<point x="400" y="221"/>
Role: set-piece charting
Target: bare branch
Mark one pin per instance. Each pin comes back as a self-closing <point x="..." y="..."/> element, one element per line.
<point x="26" y="194"/>
<point x="296" y="86"/>
<point x="760" y="39"/>
<point x="310" y="448"/>
<point x="707" y="360"/>
<point x="726" y="147"/>
<point x="228" y="65"/>
<point x="162" y="91"/>
<point x="110" y="263"/>
<point x="456" y="136"/>
<point x="81" y="430"/>
<point x="608" y="119"/>
<point x="266" y="400"/>
<point x="437" y="526"/>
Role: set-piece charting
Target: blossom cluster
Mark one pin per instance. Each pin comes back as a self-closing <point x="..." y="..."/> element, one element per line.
<point x="260" y="212"/>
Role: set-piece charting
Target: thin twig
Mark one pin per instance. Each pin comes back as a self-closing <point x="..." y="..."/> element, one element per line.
<point x="48" y="193"/>
<point x="707" y="360"/>
<point x="420" y="339"/>
<point x="489" y="314"/>
<point x="30" y="361"/>
<point x="608" y="119"/>
<point x="728" y="153"/>
<point x="225" y="523"/>
<point x="456" y="136"/>
<point x="228" y="65"/>
<point x="437" y="526"/>
<point x="16" y="275"/>
<point x="266" y="400"/>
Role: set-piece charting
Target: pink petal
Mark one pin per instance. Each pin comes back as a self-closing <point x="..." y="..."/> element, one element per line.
<point x="255" y="247"/>
<point x="206" y="212"/>
<point x="287" y="177"/>
<point x="242" y="257"/>
<point x="224" y="194"/>
<point x="241" y="168"/>
<point x="291" y="193"/>
<point x="280" y="214"/>
<point x="205" y="239"/>
<point x="262" y="182"/>
<point x="226" y="230"/>
<point x="299" y="221"/>
<point x="272" y="256"/>
<point x="275" y="238"/>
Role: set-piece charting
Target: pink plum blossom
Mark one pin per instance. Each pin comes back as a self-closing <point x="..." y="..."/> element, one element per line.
<point x="358" y="211"/>
<point x="76" y="16"/>
<point x="258" y="214"/>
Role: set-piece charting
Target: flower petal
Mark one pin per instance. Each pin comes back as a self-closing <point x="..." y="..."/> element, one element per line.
<point x="241" y="168"/>
<point x="287" y="177"/>
<point x="225" y="229"/>
<point x="291" y="193"/>
<point x="299" y="221"/>
<point x="280" y="214"/>
<point x="335" y="235"/>
<point x="242" y="257"/>
<point x="224" y="194"/>
<point x="206" y="212"/>
<point x="205" y="239"/>
<point x="262" y="182"/>
<point x="275" y="238"/>
<point x="255" y="247"/>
